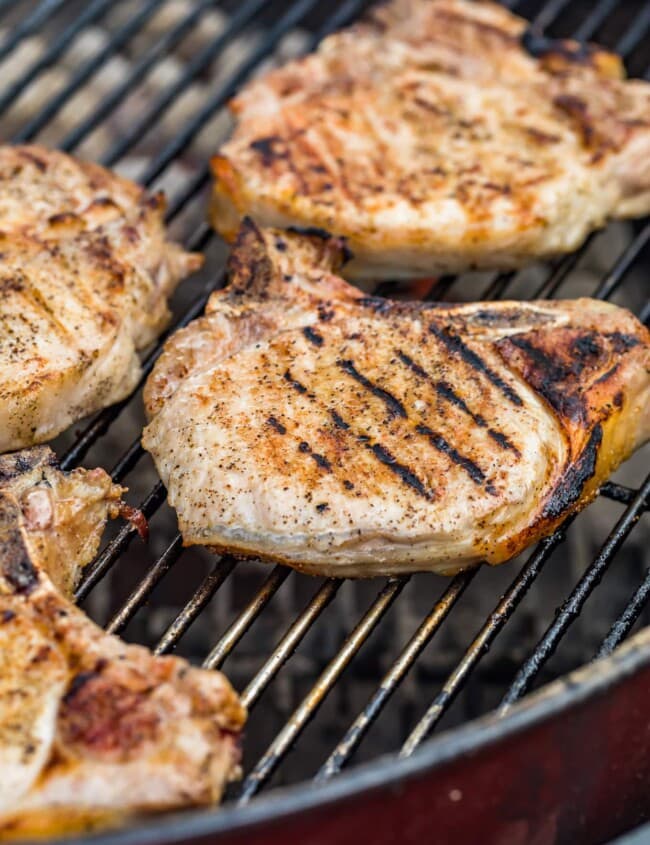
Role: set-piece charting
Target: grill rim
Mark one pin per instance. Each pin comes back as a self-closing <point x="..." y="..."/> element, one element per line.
<point x="554" y="699"/>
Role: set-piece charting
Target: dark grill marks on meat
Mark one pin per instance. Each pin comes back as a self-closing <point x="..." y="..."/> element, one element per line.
<point x="269" y="149"/>
<point x="319" y="459"/>
<point x="15" y="464"/>
<point x="102" y="716"/>
<point x="445" y="390"/>
<point x="458" y="347"/>
<point x="553" y="370"/>
<point x="396" y="409"/>
<point x="339" y="422"/>
<point x="473" y="470"/>
<point x="313" y="336"/>
<point x="559" y="368"/>
<point x="295" y="384"/>
<point x="383" y="455"/>
<point x="410" y="363"/>
<point x="277" y="425"/>
<point x="622" y="342"/>
<point x="394" y="406"/>
<point x="401" y="471"/>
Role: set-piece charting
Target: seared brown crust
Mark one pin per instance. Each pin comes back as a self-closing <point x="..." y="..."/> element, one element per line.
<point x="85" y="272"/>
<point x="347" y="434"/>
<point x="92" y="731"/>
<point x="439" y="135"/>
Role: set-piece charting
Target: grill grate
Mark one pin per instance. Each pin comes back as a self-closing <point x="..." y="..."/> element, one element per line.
<point x="263" y="29"/>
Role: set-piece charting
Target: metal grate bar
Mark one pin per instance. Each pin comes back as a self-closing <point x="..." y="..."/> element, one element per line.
<point x="629" y="255"/>
<point x="548" y="13"/>
<point x="635" y="35"/>
<point x="644" y="316"/>
<point x="610" y="282"/>
<point x="28" y="25"/>
<point x="6" y="4"/>
<point x="236" y="631"/>
<point x="239" y="20"/>
<point x="138" y="73"/>
<point x="208" y="587"/>
<point x="619" y="493"/>
<point x="440" y="288"/>
<point x="425" y="631"/>
<point x="267" y="764"/>
<point x="92" y="12"/>
<point x="338" y="18"/>
<point x="81" y="75"/>
<point x="573" y="605"/>
<point x="498" y="286"/>
<point x="225" y="92"/>
<point x="594" y="19"/>
<point x="561" y="271"/>
<point x="95" y="571"/>
<point x="623" y="625"/>
<point x="496" y="621"/>
<point x="290" y="641"/>
<point x="127" y="461"/>
<point x="146" y="586"/>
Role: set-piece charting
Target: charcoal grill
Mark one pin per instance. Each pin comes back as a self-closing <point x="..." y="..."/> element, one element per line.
<point x="141" y="86"/>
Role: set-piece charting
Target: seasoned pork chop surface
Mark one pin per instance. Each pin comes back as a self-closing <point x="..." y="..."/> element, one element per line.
<point x="350" y="435"/>
<point x="85" y="272"/>
<point x="439" y="135"/>
<point x="92" y="730"/>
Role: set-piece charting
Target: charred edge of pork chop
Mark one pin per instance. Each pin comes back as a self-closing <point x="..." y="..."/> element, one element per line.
<point x="590" y="379"/>
<point x="104" y="730"/>
<point x="589" y="372"/>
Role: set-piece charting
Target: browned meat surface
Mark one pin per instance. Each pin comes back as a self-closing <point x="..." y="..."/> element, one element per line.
<point x="351" y="435"/>
<point x="92" y="731"/>
<point x="438" y="135"/>
<point x="85" y="273"/>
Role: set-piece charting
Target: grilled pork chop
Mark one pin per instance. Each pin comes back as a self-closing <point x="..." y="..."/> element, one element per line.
<point x="350" y="435"/>
<point x="439" y="135"/>
<point x="85" y="272"/>
<point x="91" y="730"/>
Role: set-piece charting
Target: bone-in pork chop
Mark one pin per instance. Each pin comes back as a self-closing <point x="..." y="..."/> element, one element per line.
<point x="92" y="731"/>
<point x="439" y="135"/>
<point x="85" y="273"/>
<point x="350" y="435"/>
